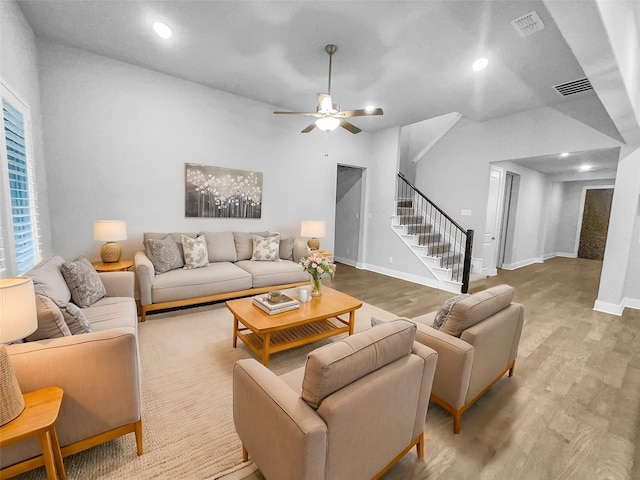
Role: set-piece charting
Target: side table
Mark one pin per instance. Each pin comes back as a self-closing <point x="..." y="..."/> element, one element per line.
<point x="38" y="419"/>
<point x="122" y="266"/>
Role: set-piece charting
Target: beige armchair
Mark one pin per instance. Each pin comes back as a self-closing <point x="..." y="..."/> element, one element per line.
<point x="477" y="344"/>
<point x="357" y="407"/>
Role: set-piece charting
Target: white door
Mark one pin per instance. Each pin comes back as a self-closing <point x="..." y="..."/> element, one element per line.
<point x="491" y="229"/>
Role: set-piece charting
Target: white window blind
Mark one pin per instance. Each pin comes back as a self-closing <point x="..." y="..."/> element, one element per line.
<point x="23" y="220"/>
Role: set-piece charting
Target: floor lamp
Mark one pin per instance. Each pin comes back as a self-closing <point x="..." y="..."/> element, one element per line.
<point x="18" y="318"/>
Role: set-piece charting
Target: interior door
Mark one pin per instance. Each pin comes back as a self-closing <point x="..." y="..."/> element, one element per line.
<point x="595" y="223"/>
<point x="492" y="226"/>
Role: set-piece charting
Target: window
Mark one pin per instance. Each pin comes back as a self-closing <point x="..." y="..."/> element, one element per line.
<point x="19" y="236"/>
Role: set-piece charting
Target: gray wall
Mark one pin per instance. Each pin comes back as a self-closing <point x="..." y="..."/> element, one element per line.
<point x="348" y="217"/>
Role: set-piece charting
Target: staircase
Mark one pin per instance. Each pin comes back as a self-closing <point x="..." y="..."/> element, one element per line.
<point x="442" y="245"/>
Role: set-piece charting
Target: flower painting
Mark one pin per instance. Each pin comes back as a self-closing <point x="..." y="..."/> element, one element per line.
<point x="222" y="192"/>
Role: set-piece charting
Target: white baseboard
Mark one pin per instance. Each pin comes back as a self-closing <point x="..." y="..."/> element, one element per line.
<point x="611" y="308"/>
<point x="346" y="261"/>
<point x="560" y="254"/>
<point x="632" y="303"/>
<point x="433" y="283"/>
<point x="524" y="263"/>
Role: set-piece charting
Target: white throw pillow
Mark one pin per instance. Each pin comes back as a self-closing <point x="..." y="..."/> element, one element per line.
<point x="195" y="252"/>
<point x="266" y="249"/>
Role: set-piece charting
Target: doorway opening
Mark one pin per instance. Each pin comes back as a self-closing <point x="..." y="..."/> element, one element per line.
<point x="350" y="194"/>
<point x="593" y="222"/>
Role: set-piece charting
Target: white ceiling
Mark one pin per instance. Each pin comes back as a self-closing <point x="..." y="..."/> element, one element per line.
<point x="412" y="58"/>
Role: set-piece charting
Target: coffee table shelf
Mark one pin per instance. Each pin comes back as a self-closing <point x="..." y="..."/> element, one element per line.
<point x="264" y="334"/>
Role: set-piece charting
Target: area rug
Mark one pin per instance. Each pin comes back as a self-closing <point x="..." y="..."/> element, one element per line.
<point x="187" y="359"/>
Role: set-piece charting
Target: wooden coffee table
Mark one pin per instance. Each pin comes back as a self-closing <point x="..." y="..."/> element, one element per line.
<point x="266" y="334"/>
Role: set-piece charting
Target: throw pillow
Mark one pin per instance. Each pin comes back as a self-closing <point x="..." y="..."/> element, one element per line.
<point x="83" y="281"/>
<point x="286" y="248"/>
<point x="195" y="252"/>
<point x="164" y="254"/>
<point x="445" y="310"/>
<point x="266" y="249"/>
<point x="50" y="320"/>
<point x="74" y="318"/>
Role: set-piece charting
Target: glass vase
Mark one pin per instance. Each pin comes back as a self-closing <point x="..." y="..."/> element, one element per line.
<point x="316" y="286"/>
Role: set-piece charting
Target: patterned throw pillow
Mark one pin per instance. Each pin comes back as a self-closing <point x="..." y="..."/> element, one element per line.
<point x="445" y="310"/>
<point x="164" y="254"/>
<point x="195" y="252"/>
<point x="266" y="249"/>
<point x="74" y="318"/>
<point x="83" y="281"/>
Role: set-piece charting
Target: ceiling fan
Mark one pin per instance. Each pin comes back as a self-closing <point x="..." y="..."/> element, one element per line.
<point x="328" y="114"/>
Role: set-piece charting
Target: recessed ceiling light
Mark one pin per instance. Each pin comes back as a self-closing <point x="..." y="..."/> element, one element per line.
<point x="369" y="108"/>
<point x="162" y="30"/>
<point x="480" y="64"/>
<point x="585" y="168"/>
<point x="565" y="154"/>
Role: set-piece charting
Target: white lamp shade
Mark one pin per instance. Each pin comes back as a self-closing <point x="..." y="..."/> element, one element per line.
<point x="313" y="228"/>
<point x="18" y="315"/>
<point x="109" y="230"/>
<point x="327" y="124"/>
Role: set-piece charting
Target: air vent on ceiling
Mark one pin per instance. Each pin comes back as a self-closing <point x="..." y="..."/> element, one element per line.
<point x="576" y="86"/>
<point x="528" y="24"/>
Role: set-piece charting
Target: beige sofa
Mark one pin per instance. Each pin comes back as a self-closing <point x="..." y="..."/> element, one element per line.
<point x="99" y="372"/>
<point x="356" y="408"/>
<point x="477" y="345"/>
<point x="230" y="273"/>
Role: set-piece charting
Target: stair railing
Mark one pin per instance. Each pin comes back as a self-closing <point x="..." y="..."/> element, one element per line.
<point x="436" y="231"/>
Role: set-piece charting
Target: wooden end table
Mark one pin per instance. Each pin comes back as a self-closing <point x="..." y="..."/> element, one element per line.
<point x="265" y="334"/>
<point x="120" y="266"/>
<point x="37" y="419"/>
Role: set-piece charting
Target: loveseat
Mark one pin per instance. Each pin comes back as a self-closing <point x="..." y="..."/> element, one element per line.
<point x="98" y="371"/>
<point x="224" y="265"/>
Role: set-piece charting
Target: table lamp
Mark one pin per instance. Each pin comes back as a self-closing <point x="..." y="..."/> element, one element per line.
<point x="110" y="231"/>
<point x="313" y="229"/>
<point x="18" y="318"/>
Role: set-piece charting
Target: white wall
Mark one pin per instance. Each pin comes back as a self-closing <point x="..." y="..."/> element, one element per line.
<point x="553" y="207"/>
<point x="117" y="138"/>
<point x="19" y="71"/>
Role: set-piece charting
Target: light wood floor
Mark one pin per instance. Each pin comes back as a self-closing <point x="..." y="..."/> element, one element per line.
<point x="572" y="409"/>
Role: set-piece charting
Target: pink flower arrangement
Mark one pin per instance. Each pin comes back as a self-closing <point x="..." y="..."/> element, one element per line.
<point x="317" y="266"/>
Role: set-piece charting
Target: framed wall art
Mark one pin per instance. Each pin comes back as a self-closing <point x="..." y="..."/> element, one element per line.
<point x="218" y="192"/>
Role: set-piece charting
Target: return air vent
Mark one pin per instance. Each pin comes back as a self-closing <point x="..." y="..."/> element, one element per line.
<point x="576" y="86"/>
<point x="528" y="24"/>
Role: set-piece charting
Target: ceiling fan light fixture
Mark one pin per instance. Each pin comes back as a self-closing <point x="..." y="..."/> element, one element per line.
<point x="327" y="124"/>
<point x="162" y="30"/>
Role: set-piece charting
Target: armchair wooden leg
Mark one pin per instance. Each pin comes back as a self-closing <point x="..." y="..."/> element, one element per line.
<point x="457" y="419"/>
<point x="138" y="432"/>
<point x="420" y="446"/>
<point x="245" y="454"/>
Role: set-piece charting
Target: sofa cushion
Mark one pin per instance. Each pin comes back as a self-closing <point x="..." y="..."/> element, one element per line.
<point x="445" y="310"/>
<point x="221" y="246"/>
<point x="48" y="280"/>
<point x="83" y="281"/>
<point x="74" y="318"/>
<point x="164" y="253"/>
<point x="112" y="312"/>
<point x="336" y="365"/>
<point x="265" y="274"/>
<point x="286" y="248"/>
<point x="51" y="322"/>
<point x="219" y="277"/>
<point x="266" y="249"/>
<point x="471" y="310"/>
<point x="195" y="252"/>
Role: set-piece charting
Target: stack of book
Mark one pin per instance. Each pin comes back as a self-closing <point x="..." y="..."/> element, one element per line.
<point x="284" y="305"/>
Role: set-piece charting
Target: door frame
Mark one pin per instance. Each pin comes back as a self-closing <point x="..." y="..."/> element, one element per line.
<point x="581" y="212"/>
<point x="362" y="226"/>
<point x="490" y="258"/>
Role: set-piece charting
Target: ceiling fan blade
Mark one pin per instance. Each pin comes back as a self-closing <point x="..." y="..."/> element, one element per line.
<point x="361" y="113"/>
<point x="349" y="126"/>
<point x="324" y="100"/>
<point x="309" y="114"/>
<point x="309" y="127"/>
